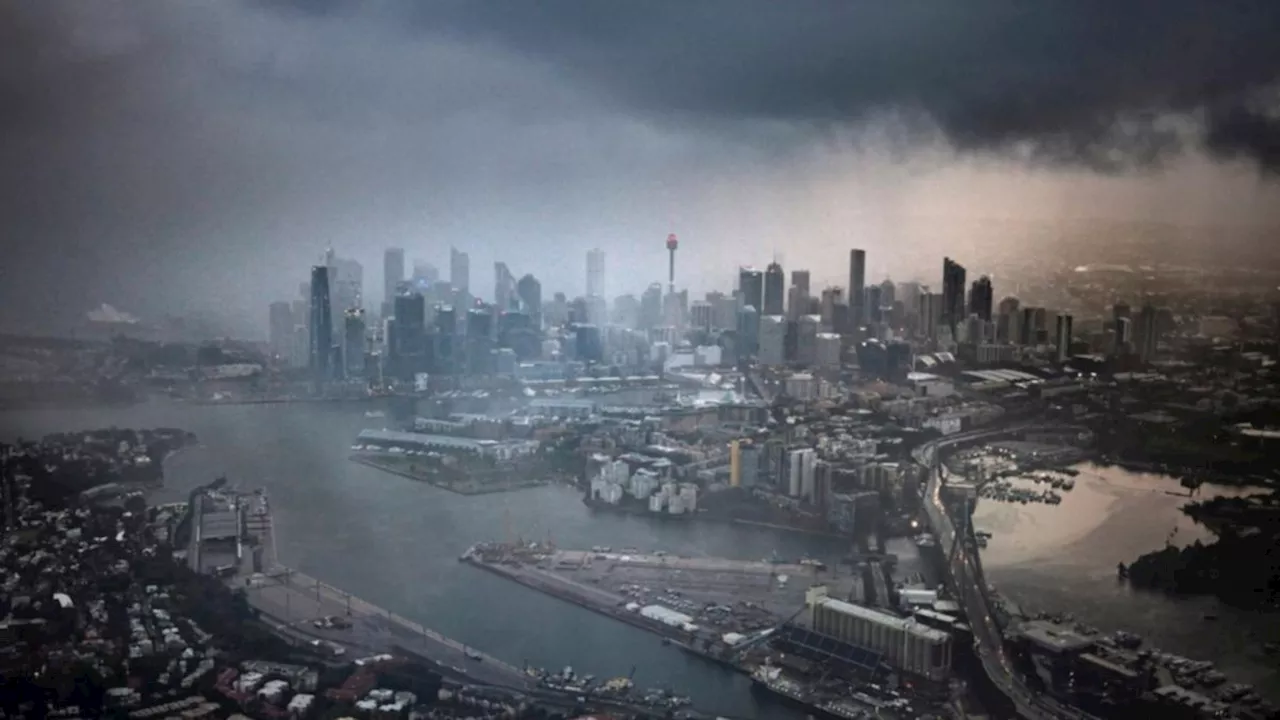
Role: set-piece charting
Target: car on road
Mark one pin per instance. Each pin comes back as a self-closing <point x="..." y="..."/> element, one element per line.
<point x="332" y="622"/>
<point x="327" y="648"/>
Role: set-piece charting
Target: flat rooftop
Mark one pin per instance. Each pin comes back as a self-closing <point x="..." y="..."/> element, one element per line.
<point x="219" y="525"/>
<point x="429" y="440"/>
<point x="1054" y="637"/>
<point x="906" y="625"/>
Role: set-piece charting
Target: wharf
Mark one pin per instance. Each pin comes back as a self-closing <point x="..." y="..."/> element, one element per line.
<point x="717" y="596"/>
<point x="604" y="603"/>
<point x="461" y="488"/>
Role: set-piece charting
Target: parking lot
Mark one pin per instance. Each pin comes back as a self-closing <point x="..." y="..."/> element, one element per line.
<point x="751" y="594"/>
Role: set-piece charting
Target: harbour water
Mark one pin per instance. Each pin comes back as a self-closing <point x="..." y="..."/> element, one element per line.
<point x="1062" y="558"/>
<point x="395" y="542"/>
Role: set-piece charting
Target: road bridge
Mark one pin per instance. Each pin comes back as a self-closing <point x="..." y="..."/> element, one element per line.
<point x="964" y="573"/>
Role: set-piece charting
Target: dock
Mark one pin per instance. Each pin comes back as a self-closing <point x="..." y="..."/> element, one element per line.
<point x="694" y="603"/>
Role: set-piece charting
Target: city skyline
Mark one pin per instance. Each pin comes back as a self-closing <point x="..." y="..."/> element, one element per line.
<point x="212" y="169"/>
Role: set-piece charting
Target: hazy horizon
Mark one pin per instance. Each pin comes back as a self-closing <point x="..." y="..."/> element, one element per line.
<point x="199" y="157"/>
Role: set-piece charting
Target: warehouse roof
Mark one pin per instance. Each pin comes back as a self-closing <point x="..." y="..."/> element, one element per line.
<point x="885" y="619"/>
<point x="412" y="438"/>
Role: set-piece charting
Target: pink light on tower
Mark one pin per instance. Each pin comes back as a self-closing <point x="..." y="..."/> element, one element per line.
<point x="672" y="244"/>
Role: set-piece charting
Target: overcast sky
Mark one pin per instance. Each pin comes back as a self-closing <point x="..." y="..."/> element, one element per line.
<point x="200" y="155"/>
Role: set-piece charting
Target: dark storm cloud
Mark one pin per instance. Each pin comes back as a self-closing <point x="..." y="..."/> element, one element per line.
<point x="1081" y="80"/>
<point x="198" y="155"/>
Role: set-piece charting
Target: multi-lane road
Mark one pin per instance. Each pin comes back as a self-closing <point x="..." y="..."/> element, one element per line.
<point x="294" y="601"/>
<point x="965" y="571"/>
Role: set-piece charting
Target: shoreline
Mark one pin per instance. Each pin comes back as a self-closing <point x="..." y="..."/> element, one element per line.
<point x="479" y="490"/>
<point x="280" y="401"/>
<point x="669" y="634"/>
<point x="705" y="516"/>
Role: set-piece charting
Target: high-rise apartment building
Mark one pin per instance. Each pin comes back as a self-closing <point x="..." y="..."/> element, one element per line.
<point x="775" y="281"/>
<point x="857" y="288"/>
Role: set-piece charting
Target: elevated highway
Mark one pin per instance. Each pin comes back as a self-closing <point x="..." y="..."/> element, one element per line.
<point x="964" y="573"/>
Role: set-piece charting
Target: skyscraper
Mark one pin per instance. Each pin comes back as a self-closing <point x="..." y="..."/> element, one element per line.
<point x="1147" y="334"/>
<point x="775" y="282"/>
<point x="772" y="339"/>
<point x="751" y="288"/>
<point x="353" y="343"/>
<point x="530" y="292"/>
<point x="651" y="307"/>
<point x="981" y="298"/>
<point x="281" y="326"/>
<point x="872" y="303"/>
<point x="751" y="292"/>
<point x="459" y="270"/>
<point x="1063" y="337"/>
<point x="504" y="287"/>
<point x="857" y="288"/>
<point x="930" y="313"/>
<point x="952" y="293"/>
<point x="425" y="274"/>
<point x="392" y="273"/>
<point x="595" y="273"/>
<point x="798" y="297"/>
<point x="321" y="324"/>
<point x="408" y="348"/>
<point x="831" y="297"/>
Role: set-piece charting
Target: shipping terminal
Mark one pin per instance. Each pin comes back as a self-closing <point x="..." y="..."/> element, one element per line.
<point x="788" y="625"/>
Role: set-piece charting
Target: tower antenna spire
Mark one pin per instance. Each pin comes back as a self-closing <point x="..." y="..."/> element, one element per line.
<point x="672" y="244"/>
